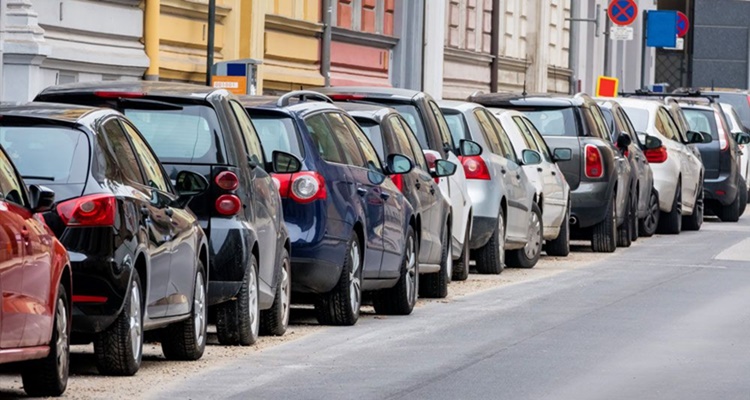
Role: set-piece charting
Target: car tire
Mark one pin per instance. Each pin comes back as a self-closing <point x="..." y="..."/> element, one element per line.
<point x="119" y="349"/>
<point x="693" y="222"/>
<point x="604" y="234"/>
<point x="435" y="286"/>
<point x="238" y="321"/>
<point x="560" y="246"/>
<point x="625" y="231"/>
<point x="461" y="267"/>
<point x="49" y="376"/>
<point x="528" y="256"/>
<point x="647" y="226"/>
<point x="634" y="218"/>
<point x="400" y="299"/>
<point x="186" y="340"/>
<point x="743" y="196"/>
<point x="275" y="320"/>
<point x="671" y="222"/>
<point x="491" y="257"/>
<point x="731" y="212"/>
<point x="341" y="305"/>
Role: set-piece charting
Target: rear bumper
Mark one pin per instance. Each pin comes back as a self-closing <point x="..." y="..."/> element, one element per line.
<point x="97" y="277"/>
<point x="485" y="197"/>
<point x="589" y="203"/>
<point x="722" y="189"/>
<point x="482" y="230"/>
<point x="317" y="260"/>
<point x="230" y="246"/>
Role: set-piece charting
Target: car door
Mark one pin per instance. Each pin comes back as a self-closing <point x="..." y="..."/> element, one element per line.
<point x="555" y="196"/>
<point x="689" y="163"/>
<point x="643" y="170"/>
<point x="150" y="203"/>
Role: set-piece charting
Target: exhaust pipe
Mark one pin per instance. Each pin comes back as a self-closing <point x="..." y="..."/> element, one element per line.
<point x="573" y="220"/>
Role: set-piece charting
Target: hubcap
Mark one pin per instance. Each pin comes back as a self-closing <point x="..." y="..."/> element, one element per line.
<point x="535" y="237"/>
<point x="355" y="286"/>
<point x="199" y="310"/>
<point x="286" y="289"/>
<point x="411" y="271"/>
<point x="501" y="238"/>
<point x="136" y="330"/>
<point x="61" y="346"/>
<point x="252" y="301"/>
<point x="449" y="256"/>
<point x="653" y="210"/>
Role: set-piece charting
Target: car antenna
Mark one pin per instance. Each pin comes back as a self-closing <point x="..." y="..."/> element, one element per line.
<point x="525" y="73"/>
<point x="712" y="86"/>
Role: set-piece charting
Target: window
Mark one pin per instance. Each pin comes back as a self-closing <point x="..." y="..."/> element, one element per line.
<point x="445" y="132"/>
<point x="323" y="139"/>
<point x="402" y="140"/>
<point x="525" y="133"/>
<point x="702" y="121"/>
<point x="665" y="126"/>
<point x="490" y="135"/>
<point x="375" y="134"/>
<point x="630" y="128"/>
<point x="554" y="121"/>
<point x="250" y="136"/>
<point x="10" y="186"/>
<point x="414" y="119"/>
<point x="373" y="16"/>
<point x="126" y="164"/>
<point x="371" y="156"/>
<point x="508" y="151"/>
<point x="343" y="135"/>
<point x="278" y="133"/>
<point x="638" y="117"/>
<point x="419" y="159"/>
<point x="599" y="129"/>
<point x="541" y="145"/>
<point x="151" y="167"/>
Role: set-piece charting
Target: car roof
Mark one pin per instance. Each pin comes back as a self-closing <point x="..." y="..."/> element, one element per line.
<point x="299" y="107"/>
<point x="381" y="92"/>
<point x="649" y="104"/>
<point x="506" y="99"/>
<point x="148" y="88"/>
<point x="53" y="112"/>
<point x="461" y="106"/>
<point x="374" y="112"/>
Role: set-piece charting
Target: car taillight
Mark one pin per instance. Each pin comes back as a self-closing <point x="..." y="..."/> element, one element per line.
<point x="475" y="168"/>
<point x="228" y="204"/>
<point x="227" y="180"/>
<point x="594" y="164"/>
<point x="345" y="97"/>
<point x="657" y="155"/>
<point x="723" y="135"/>
<point x="79" y="298"/>
<point x="93" y="210"/>
<point x="118" y="95"/>
<point x="398" y="180"/>
<point x="302" y="187"/>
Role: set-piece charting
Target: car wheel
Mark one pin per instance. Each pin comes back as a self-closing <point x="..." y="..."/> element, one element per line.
<point x="275" y="320"/>
<point x="693" y="222"/>
<point x="119" y="349"/>
<point x="731" y="212"/>
<point x="625" y="231"/>
<point x="604" y="234"/>
<point x="186" y="340"/>
<point x="634" y="217"/>
<point x="49" y="376"/>
<point x="491" y="257"/>
<point x="560" y="246"/>
<point x="341" y="305"/>
<point x="435" y="285"/>
<point x="743" y="196"/>
<point x="528" y="256"/>
<point x="671" y="222"/>
<point x="461" y="267"/>
<point x="647" y="226"/>
<point x="400" y="299"/>
<point x="237" y="321"/>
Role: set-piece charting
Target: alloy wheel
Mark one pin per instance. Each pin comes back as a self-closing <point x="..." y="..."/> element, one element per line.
<point x="136" y="322"/>
<point x="501" y="238"/>
<point x="199" y="309"/>
<point x="653" y="210"/>
<point x="411" y="271"/>
<point x="61" y="346"/>
<point x="355" y="284"/>
<point x="286" y="291"/>
<point x="252" y="294"/>
<point x="534" y="240"/>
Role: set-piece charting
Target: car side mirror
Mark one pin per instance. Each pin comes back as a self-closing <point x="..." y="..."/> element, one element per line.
<point x="531" y="157"/>
<point x="562" y="154"/>
<point x="284" y="163"/>
<point x="41" y="198"/>
<point x="652" y="142"/>
<point x="443" y="168"/>
<point x="742" y="137"/>
<point x="470" y="148"/>
<point x="623" y="141"/>
<point x="190" y="184"/>
<point x="398" y="164"/>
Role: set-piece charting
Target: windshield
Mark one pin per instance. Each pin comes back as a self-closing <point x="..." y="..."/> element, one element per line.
<point x="457" y="126"/>
<point x="553" y="121"/>
<point x="701" y="121"/>
<point x="278" y="133"/>
<point x="741" y="104"/>
<point x="185" y="136"/>
<point x="412" y="117"/>
<point x="638" y="117"/>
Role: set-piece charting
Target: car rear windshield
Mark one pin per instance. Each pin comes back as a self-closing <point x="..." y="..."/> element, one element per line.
<point x="701" y="121"/>
<point x="457" y="125"/>
<point x="189" y="135"/>
<point x="639" y="117"/>
<point x="47" y="154"/>
<point x="414" y="119"/>
<point x="740" y="102"/>
<point x="278" y="134"/>
<point x="553" y="121"/>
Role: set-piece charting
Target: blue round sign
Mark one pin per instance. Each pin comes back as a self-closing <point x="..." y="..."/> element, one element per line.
<point x="623" y="12"/>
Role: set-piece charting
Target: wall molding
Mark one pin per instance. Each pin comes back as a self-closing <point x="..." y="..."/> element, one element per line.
<point x="291" y="25"/>
<point x="363" y="38"/>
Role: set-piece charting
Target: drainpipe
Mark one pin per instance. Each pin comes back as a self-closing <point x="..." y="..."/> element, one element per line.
<point x="151" y="38"/>
<point x="573" y="48"/>
<point x="210" y="41"/>
<point x="495" y="46"/>
<point x="325" y="46"/>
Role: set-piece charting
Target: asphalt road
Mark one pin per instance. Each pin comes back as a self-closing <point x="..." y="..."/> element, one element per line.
<point x="666" y="319"/>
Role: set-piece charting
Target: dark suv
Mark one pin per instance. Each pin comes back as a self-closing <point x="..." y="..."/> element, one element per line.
<point x="207" y="131"/>
<point x="598" y="174"/>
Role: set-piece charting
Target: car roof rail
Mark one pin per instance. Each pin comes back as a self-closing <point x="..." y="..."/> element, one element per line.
<point x="302" y="96"/>
<point x="682" y="94"/>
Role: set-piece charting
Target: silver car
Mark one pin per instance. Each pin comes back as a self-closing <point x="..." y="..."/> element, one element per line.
<point x="507" y="222"/>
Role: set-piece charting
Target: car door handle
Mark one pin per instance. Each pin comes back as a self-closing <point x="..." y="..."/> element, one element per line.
<point x="554" y="173"/>
<point x="169" y="212"/>
<point x="518" y="176"/>
<point x="503" y="171"/>
<point x="145" y="211"/>
<point x="385" y="196"/>
<point x="361" y="191"/>
<point x="432" y="190"/>
<point x="539" y="169"/>
<point x="418" y="185"/>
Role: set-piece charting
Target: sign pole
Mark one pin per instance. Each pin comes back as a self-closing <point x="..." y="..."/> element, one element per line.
<point x="607" y="56"/>
<point x="643" y="50"/>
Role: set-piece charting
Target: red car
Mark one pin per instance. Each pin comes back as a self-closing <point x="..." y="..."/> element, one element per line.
<point x="36" y="285"/>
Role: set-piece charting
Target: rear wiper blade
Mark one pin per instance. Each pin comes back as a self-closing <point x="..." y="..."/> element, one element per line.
<point x="39" y="178"/>
<point x="147" y="104"/>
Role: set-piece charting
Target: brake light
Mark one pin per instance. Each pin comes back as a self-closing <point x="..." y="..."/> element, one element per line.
<point x="79" y="298"/>
<point x="398" y="180"/>
<point x="723" y="136"/>
<point x="475" y="168"/>
<point x="118" y="95"/>
<point x="228" y="204"/>
<point x="656" y="156"/>
<point x="345" y="97"/>
<point x="93" y="210"/>
<point x="302" y="187"/>
<point x="594" y="165"/>
<point x="227" y="180"/>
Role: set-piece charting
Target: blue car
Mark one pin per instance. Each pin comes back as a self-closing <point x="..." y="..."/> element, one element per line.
<point x="351" y="229"/>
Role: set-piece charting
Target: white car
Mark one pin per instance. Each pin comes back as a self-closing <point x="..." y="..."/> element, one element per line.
<point x="678" y="170"/>
<point x="552" y="190"/>
<point x="735" y="125"/>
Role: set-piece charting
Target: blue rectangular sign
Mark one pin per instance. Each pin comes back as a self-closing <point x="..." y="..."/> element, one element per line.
<point x="661" y="29"/>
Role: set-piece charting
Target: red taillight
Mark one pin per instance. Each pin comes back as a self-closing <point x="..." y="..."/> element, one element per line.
<point x="94" y="210"/>
<point x="594" y="165"/>
<point x="228" y="204"/>
<point x="78" y="298"/>
<point x="118" y="95"/>
<point x="345" y="97"/>
<point x="302" y="187"/>
<point x="723" y="135"/>
<point x="431" y="160"/>
<point x="656" y="156"/>
<point x="398" y="180"/>
<point x="227" y="180"/>
<point x="475" y="168"/>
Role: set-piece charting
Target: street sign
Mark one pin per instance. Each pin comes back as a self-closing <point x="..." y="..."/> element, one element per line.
<point x="621" y="33"/>
<point x="233" y="84"/>
<point x="606" y="86"/>
<point x="683" y="24"/>
<point x="622" y="12"/>
<point x="661" y="28"/>
<point x="679" y="45"/>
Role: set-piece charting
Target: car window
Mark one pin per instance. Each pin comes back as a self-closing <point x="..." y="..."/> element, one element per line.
<point x="125" y="162"/>
<point x="600" y="130"/>
<point x="151" y="167"/>
<point x="629" y="128"/>
<point x="419" y="159"/>
<point x="343" y="135"/>
<point x="375" y="134"/>
<point x="541" y="145"/>
<point x="278" y="134"/>
<point x="249" y="135"/>
<point x="371" y="156"/>
<point x="401" y="137"/>
<point x="11" y="187"/>
<point x="702" y="121"/>
<point x="457" y="125"/>
<point x="445" y="134"/>
<point x="320" y="133"/>
<point x="666" y="126"/>
<point x="411" y="115"/>
<point x="740" y="103"/>
<point x="508" y="151"/>
<point x="488" y="131"/>
<point x="639" y="117"/>
<point x="554" y="121"/>
<point x="525" y="133"/>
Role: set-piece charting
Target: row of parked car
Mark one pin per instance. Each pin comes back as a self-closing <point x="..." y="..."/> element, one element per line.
<point x="148" y="210"/>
